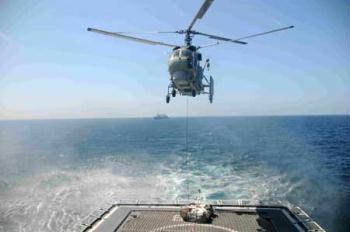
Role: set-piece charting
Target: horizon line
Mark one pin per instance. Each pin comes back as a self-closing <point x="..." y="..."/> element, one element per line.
<point x="184" y="116"/>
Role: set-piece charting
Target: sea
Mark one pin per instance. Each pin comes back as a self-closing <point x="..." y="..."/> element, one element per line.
<point x="54" y="173"/>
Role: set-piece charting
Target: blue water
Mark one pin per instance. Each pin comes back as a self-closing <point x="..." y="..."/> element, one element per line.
<point x="53" y="173"/>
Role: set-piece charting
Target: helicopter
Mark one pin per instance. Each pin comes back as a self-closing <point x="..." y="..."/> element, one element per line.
<point x="186" y="73"/>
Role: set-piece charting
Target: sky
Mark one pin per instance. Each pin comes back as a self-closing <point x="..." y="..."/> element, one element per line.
<point x="51" y="67"/>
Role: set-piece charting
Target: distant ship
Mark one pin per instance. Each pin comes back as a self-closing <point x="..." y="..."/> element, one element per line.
<point x="161" y="116"/>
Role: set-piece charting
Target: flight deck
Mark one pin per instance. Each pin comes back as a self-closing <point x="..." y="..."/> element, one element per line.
<point x="231" y="216"/>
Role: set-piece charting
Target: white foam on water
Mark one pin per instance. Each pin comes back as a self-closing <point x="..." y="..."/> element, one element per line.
<point x="58" y="200"/>
<point x="218" y="182"/>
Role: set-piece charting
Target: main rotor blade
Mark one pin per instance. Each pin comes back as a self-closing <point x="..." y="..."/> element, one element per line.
<point x="239" y="39"/>
<point x="208" y="45"/>
<point x="121" y="36"/>
<point x="266" y="32"/>
<point x="145" y="32"/>
<point x="201" y="12"/>
<point x="219" y="37"/>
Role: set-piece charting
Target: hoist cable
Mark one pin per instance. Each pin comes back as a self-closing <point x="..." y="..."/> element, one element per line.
<point x="187" y="153"/>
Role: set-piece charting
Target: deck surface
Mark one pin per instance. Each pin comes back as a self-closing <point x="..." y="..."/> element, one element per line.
<point x="168" y="219"/>
<point x="226" y="221"/>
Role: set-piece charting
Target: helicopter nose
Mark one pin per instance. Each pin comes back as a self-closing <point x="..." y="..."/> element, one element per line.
<point x="180" y="77"/>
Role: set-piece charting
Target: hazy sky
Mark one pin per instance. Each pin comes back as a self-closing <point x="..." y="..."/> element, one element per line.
<point x="51" y="67"/>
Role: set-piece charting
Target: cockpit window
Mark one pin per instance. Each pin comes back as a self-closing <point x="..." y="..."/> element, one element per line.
<point x="176" y="53"/>
<point x="186" y="53"/>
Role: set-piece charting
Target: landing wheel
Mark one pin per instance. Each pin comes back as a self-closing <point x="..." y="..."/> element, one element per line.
<point x="193" y="93"/>
<point x="173" y="93"/>
<point x="167" y="99"/>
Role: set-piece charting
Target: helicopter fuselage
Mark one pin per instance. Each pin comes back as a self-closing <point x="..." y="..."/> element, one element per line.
<point x="185" y="71"/>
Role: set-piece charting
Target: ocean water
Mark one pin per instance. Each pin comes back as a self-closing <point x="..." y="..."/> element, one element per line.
<point x="53" y="173"/>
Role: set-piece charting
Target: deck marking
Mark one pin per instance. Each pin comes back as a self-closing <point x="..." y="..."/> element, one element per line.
<point x="192" y="224"/>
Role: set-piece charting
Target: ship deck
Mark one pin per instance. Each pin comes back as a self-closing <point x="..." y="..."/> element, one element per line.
<point x="233" y="218"/>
